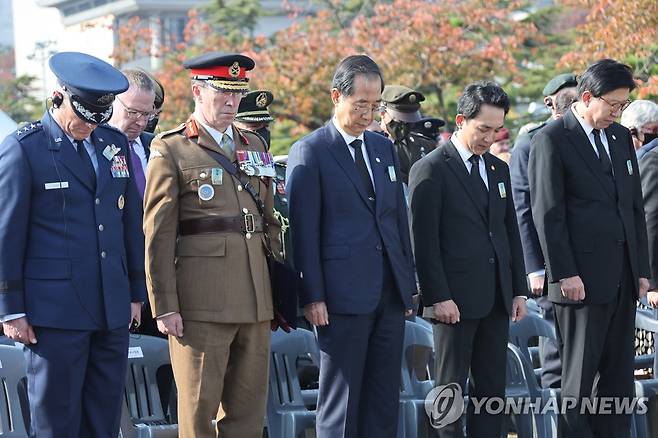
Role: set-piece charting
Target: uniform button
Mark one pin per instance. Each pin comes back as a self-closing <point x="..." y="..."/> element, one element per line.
<point x="103" y="254"/>
<point x="491" y="260"/>
<point x="379" y="247"/>
<point x="248" y="235"/>
<point x="101" y="227"/>
<point x="245" y="211"/>
<point x="98" y="201"/>
<point x="491" y="234"/>
<point x="239" y="188"/>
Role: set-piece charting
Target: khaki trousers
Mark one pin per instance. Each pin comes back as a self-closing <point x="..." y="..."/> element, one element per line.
<point x="227" y="364"/>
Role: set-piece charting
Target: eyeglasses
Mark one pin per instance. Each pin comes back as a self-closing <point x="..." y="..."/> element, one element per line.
<point x="136" y="115"/>
<point x="619" y="106"/>
<point x="365" y="109"/>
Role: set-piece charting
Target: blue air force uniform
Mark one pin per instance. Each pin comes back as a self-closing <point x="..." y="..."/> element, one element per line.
<point x="71" y="255"/>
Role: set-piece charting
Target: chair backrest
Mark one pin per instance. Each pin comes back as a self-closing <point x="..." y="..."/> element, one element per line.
<point x="532" y="326"/>
<point x="520" y="373"/>
<point x="12" y="371"/>
<point x="417" y="336"/>
<point x="146" y="355"/>
<point x="285" y="391"/>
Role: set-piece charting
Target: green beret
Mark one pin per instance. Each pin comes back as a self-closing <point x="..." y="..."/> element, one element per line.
<point x="559" y="82"/>
<point x="402" y="103"/>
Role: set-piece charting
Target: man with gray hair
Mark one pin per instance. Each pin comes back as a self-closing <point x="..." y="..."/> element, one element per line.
<point x="641" y="118"/>
<point x="132" y="112"/>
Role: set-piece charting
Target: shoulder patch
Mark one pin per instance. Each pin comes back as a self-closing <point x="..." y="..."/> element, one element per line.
<point x="27" y="129"/>
<point x="155" y="154"/>
<point x="178" y="129"/>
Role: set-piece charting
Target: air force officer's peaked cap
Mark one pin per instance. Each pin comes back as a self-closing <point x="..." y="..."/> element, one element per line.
<point x="224" y="72"/>
<point x="90" y="83"/>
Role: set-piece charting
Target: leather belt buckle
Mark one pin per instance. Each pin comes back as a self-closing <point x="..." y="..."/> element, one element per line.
<point x="249" y="223"/>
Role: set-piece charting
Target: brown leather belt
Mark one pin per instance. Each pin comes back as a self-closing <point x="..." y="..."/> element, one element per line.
<point x="247" y="223"/>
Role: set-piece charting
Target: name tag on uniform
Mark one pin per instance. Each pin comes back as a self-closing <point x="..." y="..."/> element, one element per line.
<point x="391" y="173"/>
<point x="57" y="185"/>
<point x="629" y="165"/>
<point x="255" y="163"/>
<point x="501" y="190"/>
<point x="119" y="167"/>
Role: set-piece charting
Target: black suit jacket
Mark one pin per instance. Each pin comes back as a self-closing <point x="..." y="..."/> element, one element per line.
<point x="518" y="167"/>
<point x="649" y="178"/>
<point x="461" y="249"/>
<point x="584" y="221"/>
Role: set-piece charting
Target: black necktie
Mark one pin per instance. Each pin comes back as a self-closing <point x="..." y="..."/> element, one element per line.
<point x="86" y="159"/>
<point x="478" y="182"/>
<point x="606" y="165"/>
<point x="362" y="168"/>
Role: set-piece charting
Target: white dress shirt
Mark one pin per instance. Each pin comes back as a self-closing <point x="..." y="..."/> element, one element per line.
<point x="349" y="139"/>
<point x="465" y="154"/>
<point x="590" y="134"/>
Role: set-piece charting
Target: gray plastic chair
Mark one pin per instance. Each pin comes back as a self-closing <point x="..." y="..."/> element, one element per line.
<point x="143" y="400"/>
<point x="522" y="382"/>
<point x="645" y="320"/>
<point x="13" y="423"/>
<point x="413" y="420"/>
<point x="287" y="412"/>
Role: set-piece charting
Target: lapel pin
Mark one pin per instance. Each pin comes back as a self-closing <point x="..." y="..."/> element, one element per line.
<point x="58" y="140"/>
<point x="492" y="167"/>
<point x="614" y="137"/>
<point x="378" y="160"/>
<point x="100" y="139"/>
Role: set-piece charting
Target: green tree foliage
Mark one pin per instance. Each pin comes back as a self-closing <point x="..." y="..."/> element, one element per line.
<point x="16" y="101"/>
<point x="234" y="19"/>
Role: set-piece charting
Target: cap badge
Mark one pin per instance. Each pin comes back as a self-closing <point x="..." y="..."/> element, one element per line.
<point x="261" y="100"/>
<point x="412" y="98"/>
<point x="106" y="99"/>
<point x="428" y="125"/>
<point x="234" y="70"/>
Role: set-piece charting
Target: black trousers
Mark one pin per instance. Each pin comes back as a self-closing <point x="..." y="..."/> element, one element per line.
<point x="597" y="339"/>
<point x="478" y="346"/>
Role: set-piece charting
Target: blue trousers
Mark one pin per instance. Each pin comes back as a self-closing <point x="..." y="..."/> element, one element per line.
<point x="76" y="382"/>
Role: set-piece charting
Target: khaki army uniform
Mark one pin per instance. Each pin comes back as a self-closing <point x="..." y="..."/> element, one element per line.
<point x="217" y="279"/>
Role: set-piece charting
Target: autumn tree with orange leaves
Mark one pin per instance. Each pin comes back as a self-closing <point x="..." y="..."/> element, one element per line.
<point x="435" y="47"/>
<point x="626" y="30"/>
